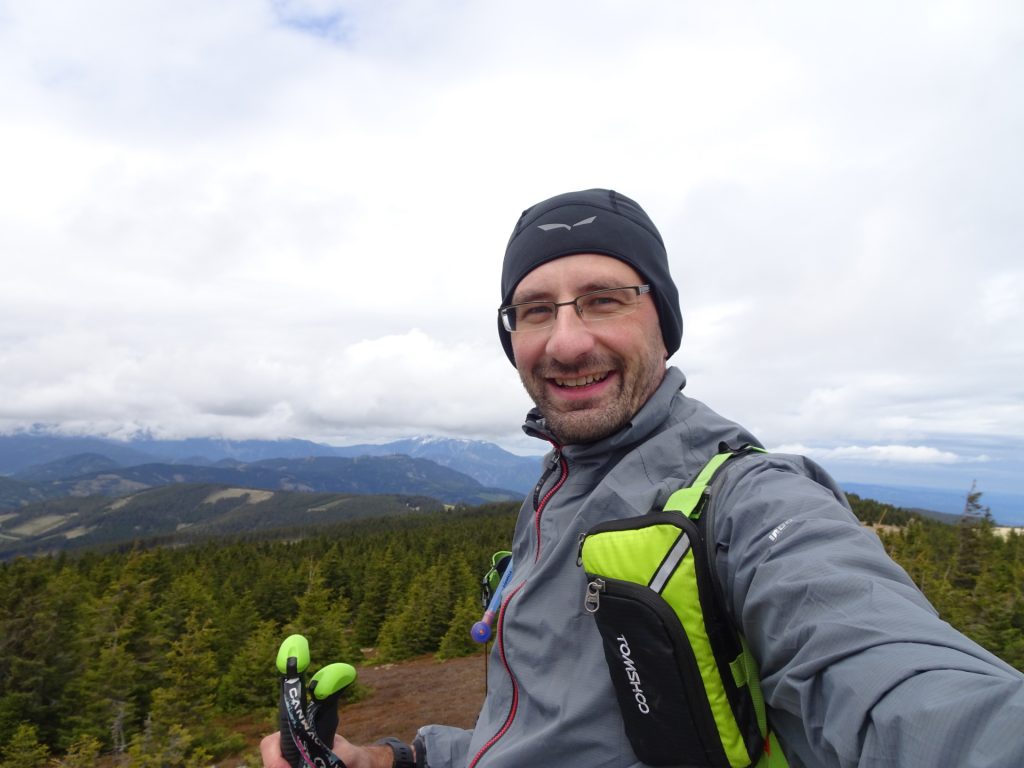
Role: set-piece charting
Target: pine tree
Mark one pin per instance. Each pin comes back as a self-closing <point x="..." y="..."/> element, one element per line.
<point x="24" y="749"/>
<point x="38" y="613"/>
<point x="236" y="620"/>
<point x="324" y="619"/>
<point x="376" y="589"/>
<point x="250" y="682"/>
<point x="187" y="595"/>
<point x="422" y="620"/>
<point x="457" y="641"/>
<point x="975" y="528"/>
<point x="114" y="644"/>
<point x="187" y="693"/>
<point x="172" y="747"/>
<point x="182" y="716"/>
<point x="84" y="752"/>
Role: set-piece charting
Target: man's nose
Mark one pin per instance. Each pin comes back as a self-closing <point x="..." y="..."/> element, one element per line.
<point x="569" y="337"/>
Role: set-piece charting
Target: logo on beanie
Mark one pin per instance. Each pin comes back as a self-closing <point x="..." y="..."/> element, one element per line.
<point x="549" y="227"/>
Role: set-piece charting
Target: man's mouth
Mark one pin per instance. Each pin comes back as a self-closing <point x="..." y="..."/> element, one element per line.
<point x="581" y="381"/>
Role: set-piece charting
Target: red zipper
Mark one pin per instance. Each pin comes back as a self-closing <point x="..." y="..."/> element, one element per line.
<point x="501" y="620"/>
<point x="515" y="683"/>
<point x="547" y="497"/>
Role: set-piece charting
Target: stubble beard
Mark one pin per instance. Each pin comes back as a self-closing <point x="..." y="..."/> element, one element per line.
<point x="587" y="421"/>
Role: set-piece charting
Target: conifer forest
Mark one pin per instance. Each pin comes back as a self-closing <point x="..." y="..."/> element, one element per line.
<point x="145" y="656"/>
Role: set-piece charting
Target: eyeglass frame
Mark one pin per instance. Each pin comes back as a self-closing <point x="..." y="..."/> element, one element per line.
<point x="640" y="291"/>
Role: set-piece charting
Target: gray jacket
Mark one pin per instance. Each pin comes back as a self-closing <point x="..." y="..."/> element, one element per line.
<point x="857" y="669"/>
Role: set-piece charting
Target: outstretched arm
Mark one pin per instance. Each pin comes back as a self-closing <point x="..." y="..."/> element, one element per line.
<point x="856" y="666"/>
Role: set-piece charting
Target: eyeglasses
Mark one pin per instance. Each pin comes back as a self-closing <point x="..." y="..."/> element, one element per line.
<point x="596" y="305"/>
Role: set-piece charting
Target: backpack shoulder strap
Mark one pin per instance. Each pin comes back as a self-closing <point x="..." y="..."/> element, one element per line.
<point x="691" y="500"/>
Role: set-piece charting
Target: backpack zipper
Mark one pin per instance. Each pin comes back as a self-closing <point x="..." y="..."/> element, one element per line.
<point x="592" y="602"/>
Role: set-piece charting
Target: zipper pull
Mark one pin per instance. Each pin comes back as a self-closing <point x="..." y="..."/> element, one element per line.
<point x="556" y="456"/>
<point x="593" y="599"/>
<point x="551" y="464"/>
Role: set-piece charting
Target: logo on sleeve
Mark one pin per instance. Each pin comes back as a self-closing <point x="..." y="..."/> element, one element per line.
<point x="777" y="531"/>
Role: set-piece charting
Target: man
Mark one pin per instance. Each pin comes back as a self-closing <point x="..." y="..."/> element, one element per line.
<point x="856" y="668"/>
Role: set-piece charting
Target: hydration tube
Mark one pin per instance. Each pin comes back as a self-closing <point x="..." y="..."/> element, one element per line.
<point x="481" y="631"/>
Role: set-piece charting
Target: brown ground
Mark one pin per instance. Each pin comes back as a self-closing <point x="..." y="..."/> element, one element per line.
<point x="404" y="696"/>
<point x="414" y="693"/>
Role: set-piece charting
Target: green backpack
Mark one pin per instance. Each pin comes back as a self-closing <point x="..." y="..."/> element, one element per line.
<point x="687" y="685"/>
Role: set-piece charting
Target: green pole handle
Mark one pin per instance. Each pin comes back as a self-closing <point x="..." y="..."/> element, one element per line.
<point x="325" y="688"/>
<point x="292" y="661"/>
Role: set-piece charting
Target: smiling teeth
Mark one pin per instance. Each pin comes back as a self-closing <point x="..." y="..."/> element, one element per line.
<point x="581" y="382"/>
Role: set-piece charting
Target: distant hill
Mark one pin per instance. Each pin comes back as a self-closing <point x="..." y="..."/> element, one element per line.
<point x="36" y="460"/>
<point x="66" y="466"/>
<point x="39" y="456"/>
<point x="186" y="513"/>
<point x="218" y="449"/>
<point x="15" y="493"/>
<point x="485" y="462"/>
<point x="394" y="474"/>
<point x="18" y="452"/>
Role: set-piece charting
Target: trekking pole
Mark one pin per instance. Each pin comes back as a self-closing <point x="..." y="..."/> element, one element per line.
<point x="292" y="660"/>
<point x="481" y="631"/>
<point x="300" y="744"/>
<point x="325" y="688"/>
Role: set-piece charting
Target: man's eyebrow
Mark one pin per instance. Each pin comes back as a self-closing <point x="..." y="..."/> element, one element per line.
<point x="542" y="295"/>
<point x="534" y="295"/>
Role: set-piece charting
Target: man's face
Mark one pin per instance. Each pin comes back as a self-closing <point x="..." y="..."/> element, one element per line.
<point x="588" y="379"/>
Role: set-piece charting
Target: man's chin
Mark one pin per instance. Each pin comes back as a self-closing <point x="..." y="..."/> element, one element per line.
<point x="586" y="425"/>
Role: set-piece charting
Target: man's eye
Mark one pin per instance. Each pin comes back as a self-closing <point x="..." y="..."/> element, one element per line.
<point x="535" y="312"/>
<point x="604" y="302"/>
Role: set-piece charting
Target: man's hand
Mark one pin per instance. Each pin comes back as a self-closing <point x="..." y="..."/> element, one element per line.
<point x="354" y="757"/>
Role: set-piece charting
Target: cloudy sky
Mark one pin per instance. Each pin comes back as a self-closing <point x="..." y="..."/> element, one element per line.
<point x="278" y="218"/>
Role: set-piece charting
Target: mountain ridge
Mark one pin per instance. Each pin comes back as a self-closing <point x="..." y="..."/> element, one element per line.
<point x="184" y="513"/>
<point x="25" y="456"/>
<point x="22" y="455"/>
<point x="392" y="474"/>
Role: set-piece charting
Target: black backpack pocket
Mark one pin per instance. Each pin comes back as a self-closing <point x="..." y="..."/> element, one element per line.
<point x="652" y="673"/>
<point x="681" y="675"/>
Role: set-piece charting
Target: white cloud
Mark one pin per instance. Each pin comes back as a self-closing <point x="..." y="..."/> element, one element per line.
<point x="287" y="218"/>
<point x="391" y="385"/>
<point x="882" y="454"/>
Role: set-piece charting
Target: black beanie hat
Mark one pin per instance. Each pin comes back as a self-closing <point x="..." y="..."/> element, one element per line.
<point x="592" y="221"/>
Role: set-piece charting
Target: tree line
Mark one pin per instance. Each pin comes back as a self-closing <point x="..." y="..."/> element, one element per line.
<point x="143" y="652"/>
<point x="149" y="653"/>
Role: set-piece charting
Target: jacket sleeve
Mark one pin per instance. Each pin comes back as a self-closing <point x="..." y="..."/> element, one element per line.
<point x="856" y="666"/>
<point x="447" y="747"/>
